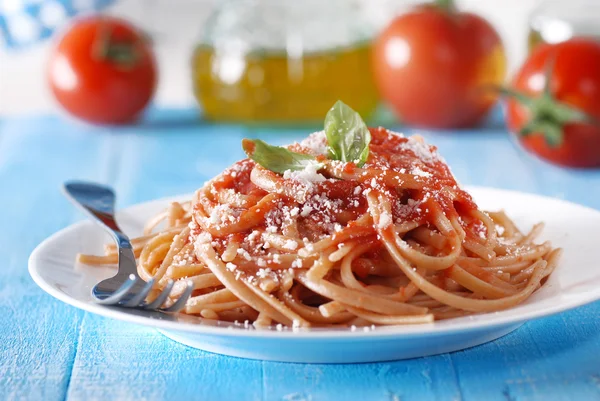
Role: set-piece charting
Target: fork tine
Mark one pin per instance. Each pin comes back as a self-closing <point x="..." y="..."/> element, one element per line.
<point x="137" y="299"/>
<point x="180" y="303"/>
<point x="161" y="298"/>
<point x="118" y="295"/>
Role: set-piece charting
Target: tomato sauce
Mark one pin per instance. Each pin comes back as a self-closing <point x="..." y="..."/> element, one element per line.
<point x="390" y="151"/>
<point x="333" y="204"/>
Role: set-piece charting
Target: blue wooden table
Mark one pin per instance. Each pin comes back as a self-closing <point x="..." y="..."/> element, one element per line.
<point x="51" y="351"/>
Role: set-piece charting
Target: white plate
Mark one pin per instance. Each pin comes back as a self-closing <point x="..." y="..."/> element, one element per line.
<point x="575" y="282"/>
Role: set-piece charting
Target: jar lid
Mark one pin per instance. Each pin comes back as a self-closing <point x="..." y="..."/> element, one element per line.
<point x="285" y="26"/>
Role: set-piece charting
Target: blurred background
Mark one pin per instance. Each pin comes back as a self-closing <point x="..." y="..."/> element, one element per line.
<point x="28" y="29"/>
<point x="426" y="64"/>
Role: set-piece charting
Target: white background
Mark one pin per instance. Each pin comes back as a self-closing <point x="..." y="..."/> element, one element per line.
<point x="177" y="24"/>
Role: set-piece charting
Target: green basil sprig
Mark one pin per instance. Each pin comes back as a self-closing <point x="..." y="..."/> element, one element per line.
<point x="348" y="140"/>
<point x="347" y="135"/>
<point x="276" y="158"/>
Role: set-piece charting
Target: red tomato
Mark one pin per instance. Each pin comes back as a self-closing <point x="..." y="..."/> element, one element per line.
<point x="434" y="66"/>
<point x="559" y="131"/>
<point x="103" y="71"/>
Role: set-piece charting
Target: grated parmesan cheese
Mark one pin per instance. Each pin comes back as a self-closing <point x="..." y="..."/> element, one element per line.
<point x="204" y="238"/>
<point x="253" y="235"/>
<point x="384" y="220"/>
<point x="220" y="214"/>
<point x="244" y="253"/>
<point x="420" y="150"/>
<point x="291" y="245"/>
<point x="420" y="173"/>
<point x="316" y="143"/>
<point x="263" y="273"/>
<point x="306" y="176"/>
<point x="306" y="209"/>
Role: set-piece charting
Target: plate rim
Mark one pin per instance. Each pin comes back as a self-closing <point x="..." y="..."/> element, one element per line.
<point x="402" y="331"/>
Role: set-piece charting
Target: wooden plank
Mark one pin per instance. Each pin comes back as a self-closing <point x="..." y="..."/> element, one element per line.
<point x="416" y="379"/>
<point x="175" y="174"/>
<point x="122" y="361"/>
<point x="51" y="351"/>
<point x="550" y="359"/>
<point x="39" y="334"/>
<point x="155" y="163"/>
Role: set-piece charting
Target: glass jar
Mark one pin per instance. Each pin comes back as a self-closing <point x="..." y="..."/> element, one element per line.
<point x="283" y="61"/>
<point x="555" y="21"/>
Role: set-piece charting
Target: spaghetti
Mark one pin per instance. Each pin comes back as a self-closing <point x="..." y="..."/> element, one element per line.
<point x="395" y="241"/>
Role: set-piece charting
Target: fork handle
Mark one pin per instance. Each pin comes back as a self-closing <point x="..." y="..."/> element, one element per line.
<point x="98" y="202"/>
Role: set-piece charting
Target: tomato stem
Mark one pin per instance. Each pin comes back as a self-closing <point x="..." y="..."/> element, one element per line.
<point x="123" y="53"/>
<point x="548" y="115"/>
<point x="446" y="5"/>
<point x="101" y="40"/>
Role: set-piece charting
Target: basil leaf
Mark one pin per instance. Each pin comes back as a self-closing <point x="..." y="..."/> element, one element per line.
<point x="276" y="158"/>
<point x="347" y="135"/>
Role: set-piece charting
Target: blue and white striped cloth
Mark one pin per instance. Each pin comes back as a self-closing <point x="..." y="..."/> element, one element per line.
<point x="26" y="22"/>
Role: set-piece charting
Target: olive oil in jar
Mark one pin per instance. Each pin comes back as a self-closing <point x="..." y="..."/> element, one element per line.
<point x="283" y="62"/>
<point x="270" y="86"/>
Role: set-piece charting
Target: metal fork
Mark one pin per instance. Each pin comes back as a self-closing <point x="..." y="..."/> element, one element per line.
<point x="126" y="288"/>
